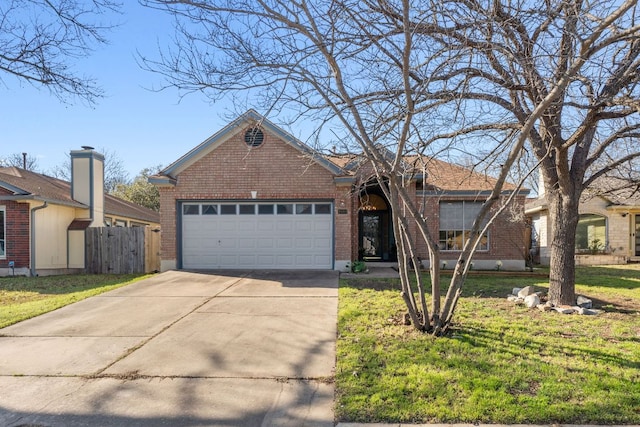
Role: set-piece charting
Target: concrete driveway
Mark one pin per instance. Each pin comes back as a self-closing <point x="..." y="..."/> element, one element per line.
<point x="179" y="349"/>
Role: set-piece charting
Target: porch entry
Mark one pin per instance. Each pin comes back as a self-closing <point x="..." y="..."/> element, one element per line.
<point x="375" y="236"/>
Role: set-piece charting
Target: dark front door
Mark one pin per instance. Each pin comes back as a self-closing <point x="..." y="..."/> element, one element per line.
<point x="371" y="236"/>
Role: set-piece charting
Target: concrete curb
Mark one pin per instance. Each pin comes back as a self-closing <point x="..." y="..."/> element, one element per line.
<point x="477" y="425"/>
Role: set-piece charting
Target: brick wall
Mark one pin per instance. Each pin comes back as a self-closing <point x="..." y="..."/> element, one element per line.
<point x="507" y="235"/>
<point x="16" y="234"/>
<point x="275" y="170"/>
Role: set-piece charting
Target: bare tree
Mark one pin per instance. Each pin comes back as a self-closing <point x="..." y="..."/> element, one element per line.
<point x="573" y="66"/>
<point x="21" y="160"/>
<point x="359" y="72"/>
<point x="114" y="170"/>
<point x="41" y="39"/>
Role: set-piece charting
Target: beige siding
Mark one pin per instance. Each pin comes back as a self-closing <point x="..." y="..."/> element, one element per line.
<point x="76" y="249"/>
<point x="51" y="236"/>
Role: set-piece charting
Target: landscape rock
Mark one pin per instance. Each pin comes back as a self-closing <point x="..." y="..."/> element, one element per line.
<point x="544" y="307"/>
<point x="526" y="291"/>
<point x="564" y="310"/>
<point x="515" y="291"/>
<point x="586" y="311"/>
<point x="584" y="302"/>
<point x="532" y="300"/>
<point x="514" y="298"/>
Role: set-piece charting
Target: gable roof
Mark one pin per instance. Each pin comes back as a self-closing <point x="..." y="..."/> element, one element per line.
<point x="168" y="174"/>
<point x="28" y="185"/>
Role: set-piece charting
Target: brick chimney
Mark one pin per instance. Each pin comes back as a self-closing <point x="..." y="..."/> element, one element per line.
<point x="87" y="182"/>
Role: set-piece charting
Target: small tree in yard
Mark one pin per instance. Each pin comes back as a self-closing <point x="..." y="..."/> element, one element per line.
<point x="140" y="191"/>
<point x="393" y="78"/>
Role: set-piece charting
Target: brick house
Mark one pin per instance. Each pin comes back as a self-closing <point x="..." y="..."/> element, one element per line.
<point x="42" y="219"/>
<point x="253" y="196"/>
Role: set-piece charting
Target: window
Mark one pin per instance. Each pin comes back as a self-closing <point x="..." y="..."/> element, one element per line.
<point x="121" y="223"/>
<point x="265" y="209"/>
<point x="322" y="209"/>
<point x="304" y="208"/>
<point x="209" y="209"/>
<point x="3" y="227"/>
<point x="456" y="220"/>
<point x="285" y="209"/>
<point x="191" y="209"/>
<point x="591" y="234"/>
<point x="247" y="209"/>
<point x="108" y="221"/>
<point x="227" y="209"/>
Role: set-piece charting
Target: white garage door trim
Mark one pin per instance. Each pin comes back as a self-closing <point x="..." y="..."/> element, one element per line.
<point x="257" y="234"/>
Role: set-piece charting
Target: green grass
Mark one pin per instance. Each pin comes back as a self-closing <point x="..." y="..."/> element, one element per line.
<point x="24" y="297"/>
<point x="501" y="363"/>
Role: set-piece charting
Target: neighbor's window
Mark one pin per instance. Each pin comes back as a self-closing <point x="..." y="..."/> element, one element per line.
<point x="121" y="223"/>
<point x="3" y="227"/>
<point x="456" y="219"/>
<point x="108" y="222"/>
<point x="591" y="234"/>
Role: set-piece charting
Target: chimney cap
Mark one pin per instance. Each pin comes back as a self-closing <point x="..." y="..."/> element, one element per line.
<point x="86" y="147"/>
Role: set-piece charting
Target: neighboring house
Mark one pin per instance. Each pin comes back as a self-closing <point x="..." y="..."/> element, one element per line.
<point x="42" y="219"/>
<point x="253" y="196"/>
<point x="609" y="226"/>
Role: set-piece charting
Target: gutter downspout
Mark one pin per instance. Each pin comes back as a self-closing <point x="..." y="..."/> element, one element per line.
<point x="33" y="236"/>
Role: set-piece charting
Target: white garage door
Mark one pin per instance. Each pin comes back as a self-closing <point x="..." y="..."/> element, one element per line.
<point x="289" y="235"/>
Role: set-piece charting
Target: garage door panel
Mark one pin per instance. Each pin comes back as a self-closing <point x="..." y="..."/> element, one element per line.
<point x="304" y="243"/>
<point x="289" y="239"/>
<point x="283" y="226"/>
<point x="304" y="226"/>
<point x="266" y="243"/>
<point x="265" y="225"/>
<point x="284" y="243"/>
<point x="266" y="260"/>
<point x="246" y="243"/>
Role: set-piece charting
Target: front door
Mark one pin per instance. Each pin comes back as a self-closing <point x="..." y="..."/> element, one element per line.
<point x="636" y="234"/>
<point x="371" y="236"/>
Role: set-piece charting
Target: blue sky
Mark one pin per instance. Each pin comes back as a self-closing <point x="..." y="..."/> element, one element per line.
<point x="143" y="128"/>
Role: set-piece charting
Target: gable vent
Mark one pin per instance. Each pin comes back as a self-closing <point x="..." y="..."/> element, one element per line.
<point x="254" y="137"/>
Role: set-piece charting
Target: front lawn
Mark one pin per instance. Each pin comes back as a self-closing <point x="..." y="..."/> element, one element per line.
<point x="25" y="297"/>
<point x="502" y="363"/>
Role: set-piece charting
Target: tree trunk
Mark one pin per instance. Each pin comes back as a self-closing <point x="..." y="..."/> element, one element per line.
<point x="563" y="214"/>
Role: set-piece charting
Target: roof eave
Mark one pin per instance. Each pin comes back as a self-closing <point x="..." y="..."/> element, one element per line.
<point x="162" y="181"/>
<point x="71" y="204"/>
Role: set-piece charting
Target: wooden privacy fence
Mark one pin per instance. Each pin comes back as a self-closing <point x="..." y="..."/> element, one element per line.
<point x="120" y="250"/>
